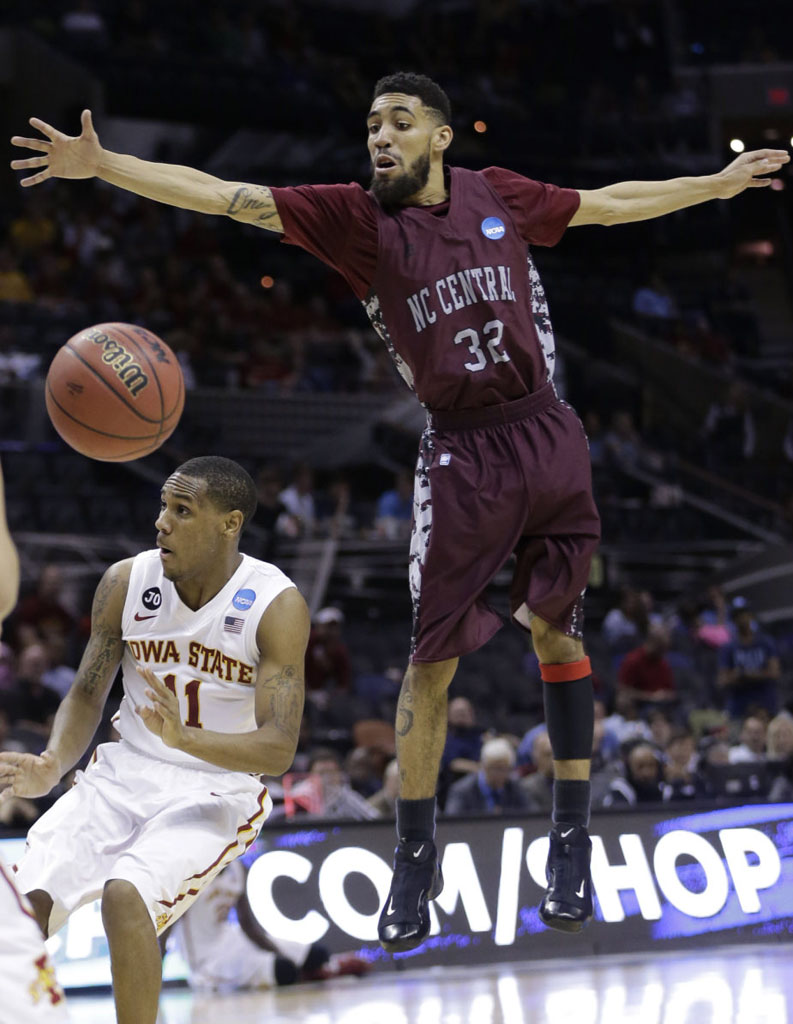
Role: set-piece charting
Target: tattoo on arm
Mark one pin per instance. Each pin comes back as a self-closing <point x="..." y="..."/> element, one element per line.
<point x="104" y="649"/>
<point x="257" y="197"/>
<point x="284" y="693"/>
<point x="101" y="658"/>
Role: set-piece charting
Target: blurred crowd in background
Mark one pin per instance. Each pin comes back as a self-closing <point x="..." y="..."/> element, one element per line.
<point x="695" y="698"/>
<point x="693" y="702"/>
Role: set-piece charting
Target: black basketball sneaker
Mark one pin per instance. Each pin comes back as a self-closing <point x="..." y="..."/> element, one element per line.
<point x="567" y="903"/>
<point x="405" y="920"/>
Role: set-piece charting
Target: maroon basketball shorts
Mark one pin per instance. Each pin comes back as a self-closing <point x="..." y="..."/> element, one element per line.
<point x="491" y="482"/>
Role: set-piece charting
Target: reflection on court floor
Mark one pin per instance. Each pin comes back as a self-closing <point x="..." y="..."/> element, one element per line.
<point x="745" y="985"/>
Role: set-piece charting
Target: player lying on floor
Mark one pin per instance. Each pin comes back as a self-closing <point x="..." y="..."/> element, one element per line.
<point x="225" y="951"/>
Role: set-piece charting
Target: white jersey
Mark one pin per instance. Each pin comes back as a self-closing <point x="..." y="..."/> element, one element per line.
<point x="208" y="657"/>
<point x="30" y="991"/>
<point x="218" y="953"/>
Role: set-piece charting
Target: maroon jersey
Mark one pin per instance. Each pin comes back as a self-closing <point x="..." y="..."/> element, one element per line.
<point x="452" y="290"/>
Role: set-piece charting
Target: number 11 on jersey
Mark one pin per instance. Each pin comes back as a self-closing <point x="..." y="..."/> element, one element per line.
<point x="191" y="695"/>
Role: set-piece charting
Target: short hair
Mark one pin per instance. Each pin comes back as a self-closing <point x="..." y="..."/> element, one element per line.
<point x="413" y="84"/>
<point x="497" y="749"/>
<point x="324" y="754"/>
<point x="229" y="486"/>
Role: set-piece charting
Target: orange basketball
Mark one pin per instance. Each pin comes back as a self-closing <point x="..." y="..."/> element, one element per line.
<point x="115" y="392"/>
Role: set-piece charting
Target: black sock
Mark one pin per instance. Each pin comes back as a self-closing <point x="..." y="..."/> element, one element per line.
<point x="570" y="720"/>
<point x="571" y="798"/>
<point x="286" y="973"/>
<point x="416" y="819"/>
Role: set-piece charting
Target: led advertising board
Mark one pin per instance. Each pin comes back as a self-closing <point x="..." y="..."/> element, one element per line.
<point x="663" y="880"/>
<point x="679" y="880"/>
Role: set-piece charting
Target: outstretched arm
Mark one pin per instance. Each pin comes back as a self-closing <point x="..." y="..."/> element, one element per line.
<point x="282" y="636"/>
<point x="81" y="709"/>
<point x="9" y="562"/>
<point x="82" y="156"/>
<point x="642" y="200"/>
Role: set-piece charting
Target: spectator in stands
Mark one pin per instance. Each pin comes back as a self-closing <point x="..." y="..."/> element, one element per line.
<point x="715" y="626"/>
<point x="491" y="790"/>
<point x="642" y="782"/>
<point x="394" y="513"/>
<point x="645" y="673"/>
<point x="681" y="781"/>
<point x="58" y="675"/>
<point x="779" y="738"/>
<point x="327" y="656"/>
<point x="46" y="610"/>
<point x="660" y="727"/>
<point x="30" y="703"/>
<point x="781" y="790"/>
<point x="779" y="756"/>
<point x="625" y="625"/>
<point x="326" y="792"/>
<point x="625" y="723"/>
<point x="384" y="800"/>
<point x="749" y="666"/>
<point x="34" y="230"/>
<point x="655" y="304"/>
<point x="622" y="442"/>
<point x="298" y="498"/>
<point x="270" y="510"/>
<point x="361" y="769"/>
<point x="729" y="431"/>
<point x="593" y="425"/>
<point x="463" y="739"/>
<point x="538" y="786"/>
<point x="751" y="745"/>
<point x="14" y="283"/>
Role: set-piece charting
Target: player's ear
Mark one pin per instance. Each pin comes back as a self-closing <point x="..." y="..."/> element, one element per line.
<point x="442" y="138"/>
<point x="232" y="524"/>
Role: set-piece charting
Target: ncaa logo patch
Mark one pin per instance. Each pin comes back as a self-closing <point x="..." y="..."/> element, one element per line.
<point x="152" y="598"/>
<point x="493" y="228"/>
<point x="243" y="599"/>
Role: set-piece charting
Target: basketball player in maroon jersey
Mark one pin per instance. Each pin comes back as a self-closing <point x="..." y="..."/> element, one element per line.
<point x="440" y="258"/>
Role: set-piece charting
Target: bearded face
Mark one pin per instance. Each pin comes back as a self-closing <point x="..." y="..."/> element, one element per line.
<point x="394" y="190"/>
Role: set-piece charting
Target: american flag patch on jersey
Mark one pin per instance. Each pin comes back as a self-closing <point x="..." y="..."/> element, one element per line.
<point x="232" y="625"/>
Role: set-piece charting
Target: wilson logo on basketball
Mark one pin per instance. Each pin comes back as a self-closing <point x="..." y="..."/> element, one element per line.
<point x="117" y="357"/>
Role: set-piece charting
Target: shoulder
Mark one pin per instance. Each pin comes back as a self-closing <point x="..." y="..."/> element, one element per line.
<point x="111" y="592"/>
<point x="117" y="575"/>
<point x="285" y="619"/>
<point x="267" y="581"/>
<point x="351" y="196"/>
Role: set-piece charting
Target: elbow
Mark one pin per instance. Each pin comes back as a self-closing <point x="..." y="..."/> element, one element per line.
<point x="612" y="212"/>
<point x="276" y="761"/>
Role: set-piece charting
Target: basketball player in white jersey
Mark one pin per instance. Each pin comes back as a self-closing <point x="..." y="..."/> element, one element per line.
<point x="29" y="991"/>
<point x="228" y="955"/>
<point x="212" y="646"/>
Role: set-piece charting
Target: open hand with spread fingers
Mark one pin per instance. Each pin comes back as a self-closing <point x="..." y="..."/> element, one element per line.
<point x="749" y="170"/>
<point x="28" y="774"/>
<point x="62" y="156"/>
<point x="163" y="718"/>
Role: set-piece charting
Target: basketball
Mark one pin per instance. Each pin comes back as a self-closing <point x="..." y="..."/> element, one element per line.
<point x="115" y="392"/>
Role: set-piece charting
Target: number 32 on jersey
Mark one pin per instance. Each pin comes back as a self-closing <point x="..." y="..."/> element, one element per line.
<point x="492" y="333"/>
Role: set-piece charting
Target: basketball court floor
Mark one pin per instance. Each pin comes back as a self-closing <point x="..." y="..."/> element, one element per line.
<point x="735" y="985"/>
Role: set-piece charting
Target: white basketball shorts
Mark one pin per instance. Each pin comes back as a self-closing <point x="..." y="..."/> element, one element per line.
<point x="30" y="991"/>
<point x="166" y="828"/>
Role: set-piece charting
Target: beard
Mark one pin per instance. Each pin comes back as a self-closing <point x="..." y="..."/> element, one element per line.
<point x="396" y="191"/>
